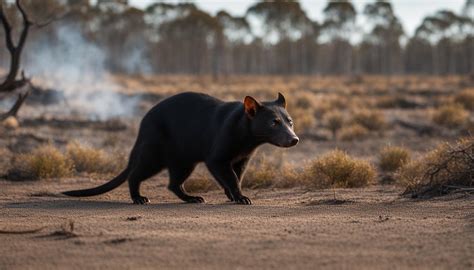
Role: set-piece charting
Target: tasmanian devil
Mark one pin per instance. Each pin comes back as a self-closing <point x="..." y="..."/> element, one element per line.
<point x="189" y="128"/>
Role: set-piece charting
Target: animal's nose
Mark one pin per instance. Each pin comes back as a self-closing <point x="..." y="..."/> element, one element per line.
<point x="294" y="141"/>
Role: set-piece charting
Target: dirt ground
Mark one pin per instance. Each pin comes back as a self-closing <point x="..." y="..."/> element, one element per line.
<point x="289" y="229"/>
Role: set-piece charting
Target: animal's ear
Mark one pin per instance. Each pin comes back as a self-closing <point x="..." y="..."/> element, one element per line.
<point x="251" y="106"/>
<point x="281" y="100"/>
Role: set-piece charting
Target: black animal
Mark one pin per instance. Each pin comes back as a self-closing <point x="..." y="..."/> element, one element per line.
<point x="188" y="128"/>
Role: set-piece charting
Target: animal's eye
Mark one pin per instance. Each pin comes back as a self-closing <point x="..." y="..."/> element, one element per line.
<point x="276" y="122"/>
<point x="290" y="121"/>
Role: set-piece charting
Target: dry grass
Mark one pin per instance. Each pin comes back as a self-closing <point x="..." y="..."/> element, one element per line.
<point x="260" y="174"/>
<point x="91" y="160"/>
<point x="391" y="158"/>
<point x="304" y="119"/>
<point x="353" y="132"/>
<point x="42" y="163"/>
<point x="334" y="121"/>
<point x="199" y="184"/>
<point x="448" y="166"/>
<point x="466" y="98"/>
<point x="372" y="120"/>
<point x="338" y="169"/>
<point x="48" y="161"/>
<point x="304" y="100"/>
<point x="272" y="170"/>
<point x="451" y="115"/>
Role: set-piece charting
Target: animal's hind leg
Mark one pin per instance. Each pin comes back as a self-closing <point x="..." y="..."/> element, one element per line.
<point x="178" y="174"/>
<point x="140" y="173"/>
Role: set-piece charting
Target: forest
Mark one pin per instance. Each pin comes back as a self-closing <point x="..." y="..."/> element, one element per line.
<point x="272" y="38"/>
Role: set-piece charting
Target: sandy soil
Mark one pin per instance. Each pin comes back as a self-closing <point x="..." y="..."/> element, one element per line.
<point x="288" y="229"/>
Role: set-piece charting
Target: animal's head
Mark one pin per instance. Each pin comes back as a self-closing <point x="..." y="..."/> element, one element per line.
<point x="270" y="121"/>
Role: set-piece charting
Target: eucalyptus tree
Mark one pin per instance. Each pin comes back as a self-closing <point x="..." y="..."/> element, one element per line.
<point x="446" y="32"/>
<point x="194" y="40"/>
<point x="287" y="34"/>
<point x="381" y="49"/>
<point x="235" y="49"/>
<point x="338" y="28"/>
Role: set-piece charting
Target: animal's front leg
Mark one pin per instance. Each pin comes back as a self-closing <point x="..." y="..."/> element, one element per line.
<point x="225" y="175"/>
<point x="239" y="169"/>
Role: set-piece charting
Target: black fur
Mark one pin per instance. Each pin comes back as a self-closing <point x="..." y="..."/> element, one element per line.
<point x="189" y="128"/>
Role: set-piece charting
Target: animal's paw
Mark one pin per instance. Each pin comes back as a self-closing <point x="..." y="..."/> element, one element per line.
<point x="140" y="200"/>
<point x="195" y="199"/>
<point x="243" y="200"/>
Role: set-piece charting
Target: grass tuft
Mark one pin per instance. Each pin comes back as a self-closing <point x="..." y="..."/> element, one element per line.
<point x="451" y="116"/>
<point x="42" y="163"/>
<point x="353" y="132"/>
<point x="466" y="99"/>
<point x="372" y="120"/>
<point x="91" y="160"/>
<point x="391" y="158"/>
<point x="334" y="121"/>
<point x="338" y="169"/>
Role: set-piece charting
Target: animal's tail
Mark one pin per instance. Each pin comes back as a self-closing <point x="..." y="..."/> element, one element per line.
<point x="117" y="181"/>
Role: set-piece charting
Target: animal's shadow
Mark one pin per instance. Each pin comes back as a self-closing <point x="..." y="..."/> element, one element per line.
<point x="98" y="205"/>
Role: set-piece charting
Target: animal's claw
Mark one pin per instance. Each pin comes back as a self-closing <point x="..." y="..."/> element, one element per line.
<point x="141" y="200"/>
<point x="243" y="200"/>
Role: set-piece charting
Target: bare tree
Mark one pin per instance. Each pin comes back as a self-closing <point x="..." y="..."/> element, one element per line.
<point x="11" y="84"/>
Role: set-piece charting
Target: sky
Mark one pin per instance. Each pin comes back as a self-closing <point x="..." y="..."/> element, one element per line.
<point x="410" y="12"/>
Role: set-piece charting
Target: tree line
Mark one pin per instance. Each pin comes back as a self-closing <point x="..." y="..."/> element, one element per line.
<point x="271" y="38"/>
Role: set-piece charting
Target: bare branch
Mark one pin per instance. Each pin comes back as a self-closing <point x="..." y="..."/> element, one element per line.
<point x="7" y="28"/>
<point x="16" y="107"/>
<point x="49" y="20"/>
<point x="24" y="33"/>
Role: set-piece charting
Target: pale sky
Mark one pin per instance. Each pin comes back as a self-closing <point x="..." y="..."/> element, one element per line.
<point x="410" y="12"/>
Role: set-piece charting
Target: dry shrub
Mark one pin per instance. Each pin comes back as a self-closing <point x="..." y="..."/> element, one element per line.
<point x="338" y="102"/>
<point x="321" y="109"/>
<point x="448" y="166"/>
<point x="398" y="101"/>
<point x="260" y="174"/>
<point x="264" y="172"/>
<point x="466" y="99"/>
<point x="338" y="169"/>
<point x="391" y="158"/>
<point x="305" y="100"/>
<point x="90" y="160"/>
<point x="451" y="115"/>
<point x="334" y="121"/>
<point x="372" y="120"/>
<point x="353" y="132"/>
<point x="199" y="183"/>
<point x="290" y="176"/>
<point x="43" y="162"/>
<point x="304" y="119"/>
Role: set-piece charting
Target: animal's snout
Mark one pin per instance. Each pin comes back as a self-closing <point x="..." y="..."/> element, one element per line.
<point x="294" y="141"/>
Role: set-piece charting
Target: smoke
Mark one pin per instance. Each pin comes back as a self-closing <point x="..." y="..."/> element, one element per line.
<point x="77" y="67"/>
